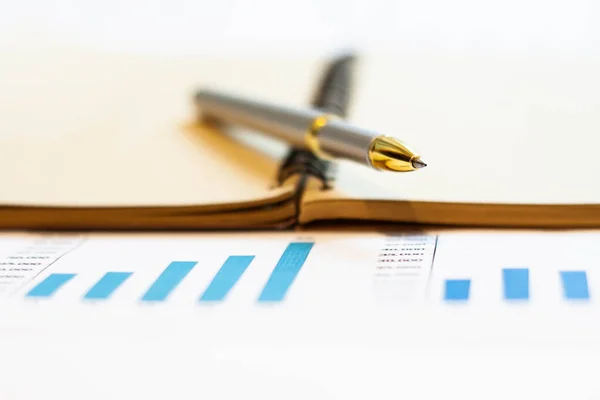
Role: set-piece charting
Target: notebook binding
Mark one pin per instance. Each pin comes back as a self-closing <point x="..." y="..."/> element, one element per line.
<point x="305" y="163"/>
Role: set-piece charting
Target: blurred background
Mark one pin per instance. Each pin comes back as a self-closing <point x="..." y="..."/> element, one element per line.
<point x="284" y="27"/>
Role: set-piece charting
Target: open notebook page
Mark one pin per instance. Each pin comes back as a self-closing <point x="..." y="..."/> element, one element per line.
<point x="87" y="129"/>
<point x="507" y="129"/>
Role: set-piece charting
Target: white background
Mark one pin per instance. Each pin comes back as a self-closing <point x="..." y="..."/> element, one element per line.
<point x="276" y="26"/>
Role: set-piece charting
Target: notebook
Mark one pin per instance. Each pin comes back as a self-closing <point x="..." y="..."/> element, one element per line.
<point x="98" y="140"/>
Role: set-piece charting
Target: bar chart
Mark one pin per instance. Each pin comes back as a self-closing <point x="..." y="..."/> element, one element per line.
<point x="517" y="270"/>
<point x="230" y="272"/>
<point x="515" y="283"/>
<point x="319" y="270"/>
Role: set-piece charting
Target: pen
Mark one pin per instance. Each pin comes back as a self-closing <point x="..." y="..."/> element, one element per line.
<point x="327" y="136"/>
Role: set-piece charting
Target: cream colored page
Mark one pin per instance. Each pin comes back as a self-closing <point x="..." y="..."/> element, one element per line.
<point x="502" y="129"/>
<point x="86" y="129"/>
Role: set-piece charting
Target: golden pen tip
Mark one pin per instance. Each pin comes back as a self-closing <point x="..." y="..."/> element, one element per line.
<point x="418" y="163"/>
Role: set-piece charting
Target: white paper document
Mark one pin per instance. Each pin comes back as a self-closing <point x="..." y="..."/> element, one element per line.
<point x="332" y="270"/>
<point x="300" y="315"/>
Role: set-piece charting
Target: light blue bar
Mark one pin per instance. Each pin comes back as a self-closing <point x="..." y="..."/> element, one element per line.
<point x="107" y="285"/>
<point x="575" y="286"/>
<point x="285" y="271"/>
<point x="516" y="283"/>
<point x="168" y="280"/>
<point x="225" y="279"/>
<point x="50" y="285"/>
<point x="457" y="289"/>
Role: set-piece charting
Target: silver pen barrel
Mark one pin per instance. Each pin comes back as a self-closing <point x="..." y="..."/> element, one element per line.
<point x="281" y="122"/>
<point x="312" y="129"/>
<point x="335" y="138"/>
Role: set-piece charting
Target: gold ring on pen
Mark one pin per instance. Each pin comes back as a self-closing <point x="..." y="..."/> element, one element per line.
<point x="311" y="139"/>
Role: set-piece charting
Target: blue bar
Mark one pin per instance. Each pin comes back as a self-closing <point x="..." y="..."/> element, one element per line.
<point x="516" y="283"/>
<point x="226" y="278"/>
<point x="285" y="271"/>
<point x="107" y="285"/>
<point x="168" y="280"/>
<point x="50" y="285"/>
<point x="457" y="289"/>
<point x="575" y="286"/>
